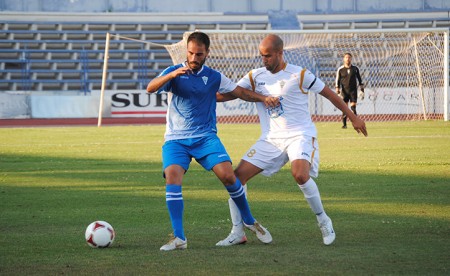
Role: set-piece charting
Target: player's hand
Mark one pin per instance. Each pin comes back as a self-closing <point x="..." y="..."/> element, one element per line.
<point x="181" y="71"/>
<point x="272" y="101"/>
<point x="359" y="126"/>
<point x="338" y="91"/>
<point x="361" y="94"/>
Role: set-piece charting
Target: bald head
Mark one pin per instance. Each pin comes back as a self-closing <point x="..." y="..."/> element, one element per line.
<point x="271" y="51"/>
<point x="273" y="42"/>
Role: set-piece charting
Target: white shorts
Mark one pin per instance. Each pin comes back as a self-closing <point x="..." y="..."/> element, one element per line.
<point x="271" y="155"/>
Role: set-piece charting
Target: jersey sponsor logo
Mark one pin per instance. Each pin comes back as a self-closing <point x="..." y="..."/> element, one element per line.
<point x="275" y="112"/>
<point x="205" y="80"/>
<point x="260" y="83"/>
<point x="222" y="155"/>
<point x="184" y="77"/>
<point x="348" y="71"/>
<point x="305" y="154"/>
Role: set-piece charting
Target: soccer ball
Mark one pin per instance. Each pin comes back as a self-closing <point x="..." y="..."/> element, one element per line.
<point x="100" y="234"/>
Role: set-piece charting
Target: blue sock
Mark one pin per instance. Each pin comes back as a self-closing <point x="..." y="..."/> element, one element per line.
<point x="237" y="193"/>
<point x="175" y="204"/>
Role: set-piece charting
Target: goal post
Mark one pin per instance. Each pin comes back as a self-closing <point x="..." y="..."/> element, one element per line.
<point x="139" y="63"/>
<point x="405" y="71"/>
<point x="446" y="77"/>
<point x="104" y="75"/>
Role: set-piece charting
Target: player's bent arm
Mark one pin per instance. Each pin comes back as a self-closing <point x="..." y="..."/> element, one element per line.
<point x="158" y="82"/>
<point x="251" y="96"/>
<point x="357" y="123"/>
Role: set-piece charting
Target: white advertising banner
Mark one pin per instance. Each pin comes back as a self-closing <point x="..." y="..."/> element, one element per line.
<point x="57" y="106"/>
<point x="14" y="106"/>
<point x="135" y="103"/>
<point x="386" y="101"/>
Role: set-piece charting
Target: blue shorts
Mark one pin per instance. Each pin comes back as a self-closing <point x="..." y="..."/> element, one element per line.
<point x="208" y="151"/>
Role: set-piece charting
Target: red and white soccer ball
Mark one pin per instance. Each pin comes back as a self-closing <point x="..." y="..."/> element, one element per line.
<point x="100" y="234"/>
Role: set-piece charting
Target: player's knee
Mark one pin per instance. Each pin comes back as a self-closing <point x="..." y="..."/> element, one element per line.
<point x="174" y="175"/>
<point x="174" y="178"/>
<point x="227" y="177"/>
<point x="301" y="177"/>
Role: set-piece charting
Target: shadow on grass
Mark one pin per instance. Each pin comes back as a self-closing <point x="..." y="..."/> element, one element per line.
<point x="385" y="224"/>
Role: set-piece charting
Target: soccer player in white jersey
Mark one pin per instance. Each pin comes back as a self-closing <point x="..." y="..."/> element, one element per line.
<point x="191" y="133"/>
<point x="288" y="133"/>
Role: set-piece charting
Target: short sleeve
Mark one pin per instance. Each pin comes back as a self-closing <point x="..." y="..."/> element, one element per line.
<point x="226" y="85"/>
<point x="168" y="85"/>
<point x="311" y="83"/>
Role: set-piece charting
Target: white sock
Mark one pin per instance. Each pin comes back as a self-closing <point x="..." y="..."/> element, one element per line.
<point x="312" y="196"/>
<point x="236" y="218"/>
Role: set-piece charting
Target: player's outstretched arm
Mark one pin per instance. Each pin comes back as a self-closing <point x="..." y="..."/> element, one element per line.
<point x="357" y="123"/>
<point x="225" y="97"/>
<point x="251" y="96"/>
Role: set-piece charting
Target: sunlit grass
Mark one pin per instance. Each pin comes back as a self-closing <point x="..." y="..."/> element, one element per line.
<point x="388" y="196"/>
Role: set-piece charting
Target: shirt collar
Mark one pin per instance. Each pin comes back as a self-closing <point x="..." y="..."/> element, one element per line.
<point x="198" y="72"/>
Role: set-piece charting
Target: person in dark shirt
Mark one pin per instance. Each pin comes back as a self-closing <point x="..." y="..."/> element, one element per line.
<point x="346" y="85"/>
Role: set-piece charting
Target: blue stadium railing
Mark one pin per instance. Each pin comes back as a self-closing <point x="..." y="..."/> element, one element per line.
<point x="74" y="58"/>
<point x="37" y="55"/>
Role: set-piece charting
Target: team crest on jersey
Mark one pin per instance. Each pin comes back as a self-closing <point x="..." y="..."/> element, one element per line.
<point x="205" y="80"/>
<point x="282" y="83"/>
<point x="348" y="71"/>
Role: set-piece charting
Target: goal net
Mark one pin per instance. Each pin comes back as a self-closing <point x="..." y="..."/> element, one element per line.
<point x="405" y="71"/>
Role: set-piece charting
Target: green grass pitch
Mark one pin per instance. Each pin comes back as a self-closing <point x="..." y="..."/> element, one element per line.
<point x="388" y="195"/>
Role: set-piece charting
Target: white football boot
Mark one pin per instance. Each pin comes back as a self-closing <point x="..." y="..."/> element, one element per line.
<point x="328" y="233"/>
<point x="233" y="239"/>
<point x="174" y="243"/>
<point x="261" y="233"/>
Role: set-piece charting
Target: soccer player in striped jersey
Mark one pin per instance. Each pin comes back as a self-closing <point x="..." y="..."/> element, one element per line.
<point x="288" y="133"/>
<point x="191" y="133"/>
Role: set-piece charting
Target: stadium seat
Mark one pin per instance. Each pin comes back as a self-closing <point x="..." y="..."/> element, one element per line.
<point x="55" y="55"/>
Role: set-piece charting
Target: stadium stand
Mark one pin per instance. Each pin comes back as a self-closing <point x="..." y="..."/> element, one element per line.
<point x="68" y="56"/>
<point x="59" y="55"/>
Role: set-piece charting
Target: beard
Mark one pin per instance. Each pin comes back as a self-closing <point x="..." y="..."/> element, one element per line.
<point x="272" y="67"/>
<point x="269" y="67"/>
<point x="195" y="66"/>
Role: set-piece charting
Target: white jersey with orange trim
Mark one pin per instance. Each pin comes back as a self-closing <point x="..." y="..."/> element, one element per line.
<point x="292" y="85"/>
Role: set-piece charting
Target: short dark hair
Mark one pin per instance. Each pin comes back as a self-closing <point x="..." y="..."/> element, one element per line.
<point x="199" y="37"/>
<point x="348" y="54"/>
